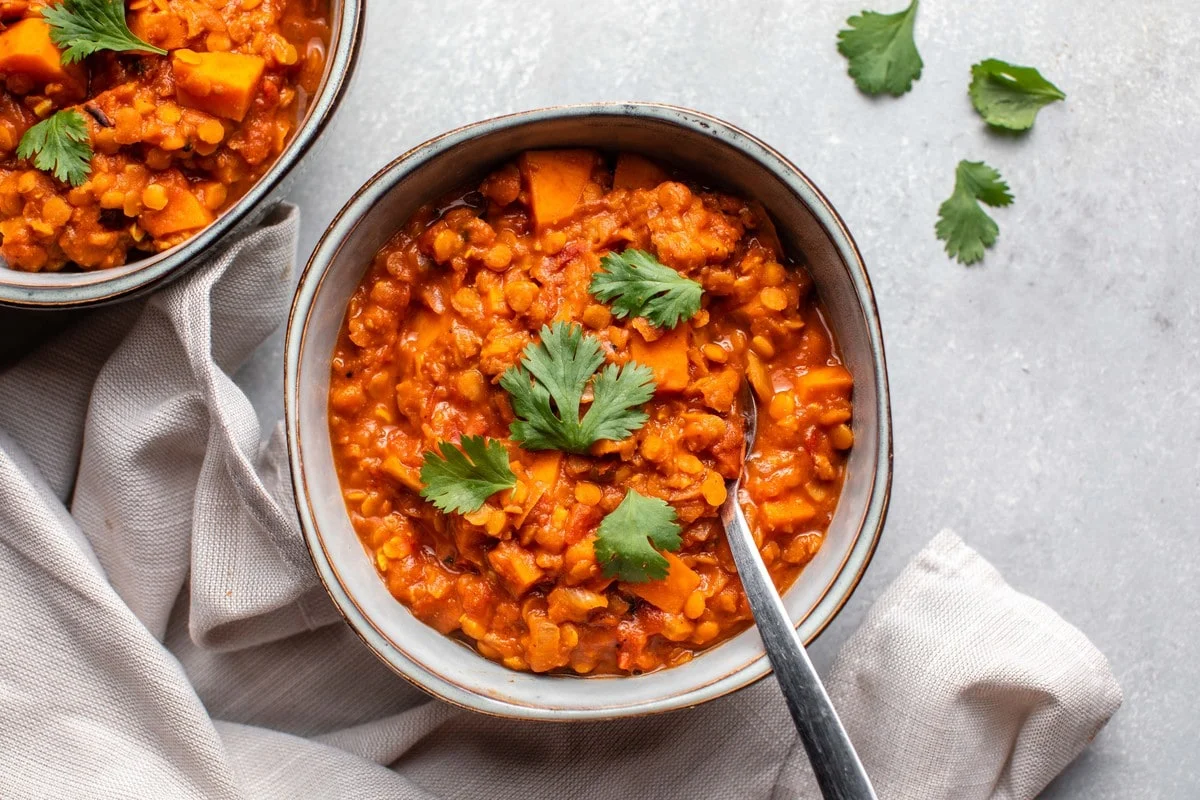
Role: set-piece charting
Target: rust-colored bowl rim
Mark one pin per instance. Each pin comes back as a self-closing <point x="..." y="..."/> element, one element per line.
<point x="444" y="685"/>
<point x="64" y="290"/>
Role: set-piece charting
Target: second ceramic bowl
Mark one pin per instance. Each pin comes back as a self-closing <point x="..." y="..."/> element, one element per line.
<point x="80" y="288"/>
<point x="708" y="149"/>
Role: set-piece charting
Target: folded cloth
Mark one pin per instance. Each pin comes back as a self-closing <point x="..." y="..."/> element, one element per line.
<point x="162" y="633"/>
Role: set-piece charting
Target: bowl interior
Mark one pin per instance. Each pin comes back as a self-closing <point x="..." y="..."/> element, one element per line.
<point x="706" y="148"/>
<point x="80" y="287"/>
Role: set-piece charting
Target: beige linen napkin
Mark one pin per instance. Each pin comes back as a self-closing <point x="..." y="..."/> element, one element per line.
<point x="163" y="635"/>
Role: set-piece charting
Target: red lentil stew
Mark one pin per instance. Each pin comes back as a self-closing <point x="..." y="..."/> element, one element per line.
<point x="570" y="282"/>
<point x="168" y="137"/>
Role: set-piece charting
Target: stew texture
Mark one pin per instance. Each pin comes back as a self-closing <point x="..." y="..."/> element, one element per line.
<point x="451" y="302"/>
<point x="176" y="138"/>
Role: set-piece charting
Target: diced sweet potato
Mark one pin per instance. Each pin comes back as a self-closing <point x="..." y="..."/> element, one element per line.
<point x="787" y="515"/>
<point x="26" y="49"/>
<point x="221" y="84"/>
<point x="546" y="468"/>
<point x="637" y="172"/>
<point x="667" y="356"/>
<point x="516" y="566"/>
<point x="160" y="28"/>
<point x="824" y="381"/>
<point x="555" y="180"/>
<point x="544" y="473"/>
<point x="671" y="592"/>
<point x="183" y="211"/>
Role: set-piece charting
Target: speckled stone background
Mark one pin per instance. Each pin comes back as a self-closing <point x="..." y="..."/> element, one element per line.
<point x="1045" y="402"/>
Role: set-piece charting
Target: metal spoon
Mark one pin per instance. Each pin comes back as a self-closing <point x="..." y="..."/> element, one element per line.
<point x="838" y="771"/>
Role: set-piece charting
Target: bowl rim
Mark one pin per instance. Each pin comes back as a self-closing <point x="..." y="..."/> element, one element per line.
<point x="870" y="525"/>
<point x="162" y="267"/>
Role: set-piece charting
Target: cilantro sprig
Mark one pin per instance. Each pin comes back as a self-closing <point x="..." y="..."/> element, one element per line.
<point x="1008" y="96"/>
<point x="629" y="539"/>
<point x="882" y="52"/>
<point x="461" y="480"/>
<point x="61" y="145"/>
<point x="83" y="27"/>
<point x="547" y="389"/>
<point x="637" y="284"/>
<point x="962" y="223"/>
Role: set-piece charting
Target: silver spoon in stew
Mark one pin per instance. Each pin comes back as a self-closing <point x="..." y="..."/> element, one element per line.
<point x="838" y="770"/>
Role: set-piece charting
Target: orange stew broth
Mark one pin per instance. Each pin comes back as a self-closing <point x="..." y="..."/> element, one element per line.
<point x="177" y="138"/>
<point x="450" y="302"/>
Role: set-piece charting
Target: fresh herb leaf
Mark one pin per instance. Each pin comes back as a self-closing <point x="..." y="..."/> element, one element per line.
<point x="60" y="145"/>
<point x="962" y="223"/>
<point x="1008" y="96"/>
<point x="883" y="56"/>
<point x="638" y="285"/>
<point x="629" y="539"/>
<point x="463" y="480"/>
<point x="547" y="390"/>
<point x="84" y="27"/>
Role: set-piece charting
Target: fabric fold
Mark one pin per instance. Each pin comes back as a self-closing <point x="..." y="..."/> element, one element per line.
<point x="958" y="686"/>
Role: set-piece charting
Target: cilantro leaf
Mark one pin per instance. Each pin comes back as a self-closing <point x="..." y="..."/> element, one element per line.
<point x="629" y="539"/>
<point x="547" y="389"/>
<point x="84" y="27"/>
<point x="1008" y="96"/>
<point x="60" y="145"/>
<point x="962" y="223"/>
<point x="638" y="285"/>
<point x="463" y="480"/>
<point x="883" y="56"/>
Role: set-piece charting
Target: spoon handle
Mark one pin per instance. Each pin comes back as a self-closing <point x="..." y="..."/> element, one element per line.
<point x="838" y="771"/>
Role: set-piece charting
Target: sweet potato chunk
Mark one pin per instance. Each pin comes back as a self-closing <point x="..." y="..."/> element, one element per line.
<point x="163" y="29"/>
<point x="544" y="472"/>
<point x="555" y="180"/>
<point x="824" y="381"/>
<point x="637" y="172"/>
<point x="516" y="566"/>
<point x="183" y="211"/>
<point x="26" y="49"/>
<point x="221" y="84"/>
<point x="667" y="356"/>
<point x="787" y="515"/>
<point x="671" y="592"/>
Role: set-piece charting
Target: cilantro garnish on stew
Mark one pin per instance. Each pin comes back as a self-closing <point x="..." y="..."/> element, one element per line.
<point x="629" y="539"/>
<point x="61" y="145"/>
<point x="638" y="285"/>
<point x="882" y="53"/>
<point x="962" y="223"/>
<point x="547" y="389"/>
<point x="1008" y="96"/>
<point x="83" y="27"/>
<point x="463" y="480"/>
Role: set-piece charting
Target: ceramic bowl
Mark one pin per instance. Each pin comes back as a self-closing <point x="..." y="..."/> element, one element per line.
<point x="704" y="147"/>
<point x="58" y="290"/>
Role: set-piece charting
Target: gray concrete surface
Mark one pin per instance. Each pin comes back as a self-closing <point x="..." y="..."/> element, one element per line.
<point x="1045" y="401"/>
